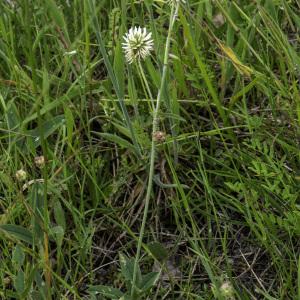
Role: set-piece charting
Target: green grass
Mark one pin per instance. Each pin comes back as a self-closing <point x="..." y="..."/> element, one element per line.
<point x="224" y="207"/>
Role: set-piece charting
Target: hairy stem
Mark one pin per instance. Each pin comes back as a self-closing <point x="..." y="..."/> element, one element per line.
<point x="174" y="11"/>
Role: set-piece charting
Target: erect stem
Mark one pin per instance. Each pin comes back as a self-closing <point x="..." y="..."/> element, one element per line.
<point x="146" y="83"/>
<point x="174" y="11"/>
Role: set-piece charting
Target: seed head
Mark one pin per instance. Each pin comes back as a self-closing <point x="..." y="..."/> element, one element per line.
<point x="159" y="136"/>
<point x="227" y="290"/>
<point x="39" y="161"/>
<point x="21" y="175"/>
<point x="137" y="44"/>
<point x="6" y="281"/>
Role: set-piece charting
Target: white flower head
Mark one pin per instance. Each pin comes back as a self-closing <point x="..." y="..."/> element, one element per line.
<point x="137" y="44"/>
<point x="227" y="290"/>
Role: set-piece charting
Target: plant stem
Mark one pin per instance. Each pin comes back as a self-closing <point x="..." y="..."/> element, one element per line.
<point x="174" y="11"/>
<point x="146" y="84"/>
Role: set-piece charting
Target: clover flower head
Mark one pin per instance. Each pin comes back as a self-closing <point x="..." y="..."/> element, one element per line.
<point x="227" y="290"/>
<point x="137" y="44"/>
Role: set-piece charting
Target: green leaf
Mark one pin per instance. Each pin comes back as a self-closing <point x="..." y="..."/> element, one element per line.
<point x="69" y="123"/>
<point x="12" y="115"/>
<point x="57" y="232"/>
<point x="36" y="295"/>
<point x="148" y="281"/>
<point x="18" y="256"/>
<point x="18" y="232"/>
<point x="30" y="275"/>
<point x="154" y="74"/>
<point x="59" y="215"/>
<point x="118" y="140"/>
<point x="106" y="291"/>
<point x="40" y="283"/>
<point x="36" y="200"/>
<point x="127" y="267"/>
<point x="19" y="282"/>
<point x="47" y="128"/>
<point x="158" y="251"/>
